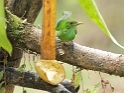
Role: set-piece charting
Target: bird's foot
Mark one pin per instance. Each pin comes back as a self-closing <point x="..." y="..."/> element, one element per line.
<point x="72" y="45"/>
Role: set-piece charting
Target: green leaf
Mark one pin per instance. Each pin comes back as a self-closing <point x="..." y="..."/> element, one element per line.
<point x="1" y="75"/>
<point x="95" y="88"/>
<point x="4" y="42"/>
<point x="2" y="83"/>
<point x="112" y="88"/>
<point x="21" y="68"/>
<point x="91" y="9"/>
<point x="2" y="90"/>
<point x="77" y="79"/>
<point x="87" y="91"/>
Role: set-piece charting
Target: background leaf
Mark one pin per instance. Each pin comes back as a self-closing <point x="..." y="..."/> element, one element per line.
<point x="95" y="88"/>
<point x="2" y="90"/>
<point x="1" y="75"/>
<point x="4" y="42"/>
<point x="91" y="9"/>
<point x="77" y="79"/>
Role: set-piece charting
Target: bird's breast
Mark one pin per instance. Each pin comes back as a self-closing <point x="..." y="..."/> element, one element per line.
<point x="67" y="35"/>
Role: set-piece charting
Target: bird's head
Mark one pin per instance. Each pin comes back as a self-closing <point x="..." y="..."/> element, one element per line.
<point x="73" y="23"/>
<point x="67" y="23"/>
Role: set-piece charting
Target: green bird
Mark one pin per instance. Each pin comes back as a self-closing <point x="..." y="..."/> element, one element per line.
<point x="66" y="27"/>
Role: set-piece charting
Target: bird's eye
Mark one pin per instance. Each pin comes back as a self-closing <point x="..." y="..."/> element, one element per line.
<point x="71" y="23"/>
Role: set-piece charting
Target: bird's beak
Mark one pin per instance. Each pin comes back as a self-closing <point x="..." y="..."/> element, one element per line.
<point x="78" y="23"/>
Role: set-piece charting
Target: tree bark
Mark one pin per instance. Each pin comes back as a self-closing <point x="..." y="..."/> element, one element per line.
<point x="25" y="9"/>
<point x="13" y="61"/>
<point x="82" y="56"/>
<point x="30" y="79"/>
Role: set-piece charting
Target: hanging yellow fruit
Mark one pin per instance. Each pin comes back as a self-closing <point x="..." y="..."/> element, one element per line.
<point x="50" y="71"/>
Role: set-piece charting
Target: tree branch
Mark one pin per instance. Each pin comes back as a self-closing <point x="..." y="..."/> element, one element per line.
<point x="14" y="25"/>
<point x="84" y="57"/>
<point x="30" y="79"/>
<point x="25" y="9"/>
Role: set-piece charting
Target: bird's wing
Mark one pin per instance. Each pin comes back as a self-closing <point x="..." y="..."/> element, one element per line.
<point x="75" y="31"/>
<point x="60" y="32"/>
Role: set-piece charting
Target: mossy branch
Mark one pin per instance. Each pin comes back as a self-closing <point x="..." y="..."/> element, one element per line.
<point x="84" y="57"/>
